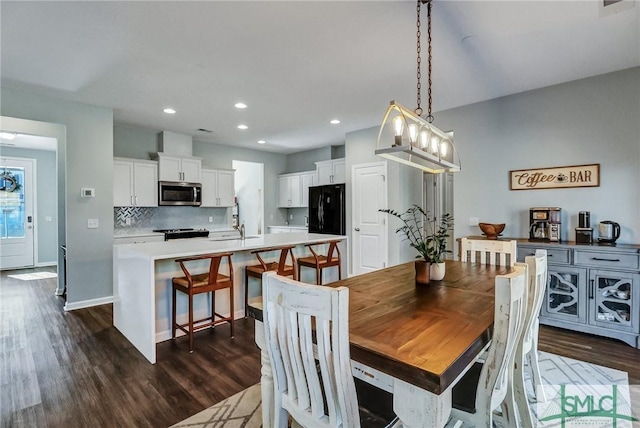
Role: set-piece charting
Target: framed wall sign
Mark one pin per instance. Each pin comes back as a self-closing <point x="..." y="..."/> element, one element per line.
<point x="555" y="177"/>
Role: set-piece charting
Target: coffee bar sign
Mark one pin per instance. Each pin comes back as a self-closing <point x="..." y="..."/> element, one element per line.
<point x="555" y="178"/>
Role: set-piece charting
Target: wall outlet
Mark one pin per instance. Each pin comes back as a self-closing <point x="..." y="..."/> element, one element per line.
<point x="210" y="219"/>
<point x="127" y="221"/>
<point x="290" y="216"/>
<point x="92" y="223"/>
<point x="473" y="221"/>
<point x="48" y="219"/>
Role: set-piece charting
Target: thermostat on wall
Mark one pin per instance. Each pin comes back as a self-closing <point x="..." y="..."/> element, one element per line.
<point x="87" y="192"/>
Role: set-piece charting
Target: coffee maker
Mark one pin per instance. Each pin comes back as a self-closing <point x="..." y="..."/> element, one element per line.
<point x="545" y="224"/>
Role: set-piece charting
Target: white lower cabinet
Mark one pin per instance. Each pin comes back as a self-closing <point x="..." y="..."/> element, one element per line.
<point x="135" y="183"/>
<point x="217" y="188"/>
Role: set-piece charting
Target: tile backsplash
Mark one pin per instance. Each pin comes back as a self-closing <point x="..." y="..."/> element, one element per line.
<point x="171" y="217"/>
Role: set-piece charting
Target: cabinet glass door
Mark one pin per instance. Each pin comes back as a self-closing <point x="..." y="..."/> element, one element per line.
<point x="564" y="296"/>
<point x="614" y="303"/>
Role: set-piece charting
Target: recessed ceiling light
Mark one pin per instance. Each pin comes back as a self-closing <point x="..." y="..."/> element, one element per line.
<point x="335" y="122"/>
<point x="262" y="142"/>
<point x="8" y="135"/>
<point x="241" y="105"/>
<point x="169" y="111"/>
<point x="243" y="127"/>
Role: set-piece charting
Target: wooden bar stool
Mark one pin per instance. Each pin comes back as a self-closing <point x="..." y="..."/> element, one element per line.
<point x="320" y="262"/>
<point x="208" y="282"/>
<point x="281" y="267"/>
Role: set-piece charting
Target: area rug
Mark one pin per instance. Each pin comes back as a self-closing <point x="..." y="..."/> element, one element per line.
<point x="33" y="276"/>
<point x="243" y="410"/>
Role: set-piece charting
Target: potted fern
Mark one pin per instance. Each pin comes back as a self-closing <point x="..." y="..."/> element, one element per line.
<point x="428" y="237"/>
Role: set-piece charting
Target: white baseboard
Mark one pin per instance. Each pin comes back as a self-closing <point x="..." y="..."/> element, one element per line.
<point x="46" y="264"/>
<point x="88" y="303"/>
<point x="161" y="336"/>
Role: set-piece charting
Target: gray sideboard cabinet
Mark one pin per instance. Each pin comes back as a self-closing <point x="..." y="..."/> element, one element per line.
<point x="593" y="289"/>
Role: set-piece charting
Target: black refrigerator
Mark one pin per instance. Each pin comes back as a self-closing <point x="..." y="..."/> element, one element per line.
<point x="327" y="209"/>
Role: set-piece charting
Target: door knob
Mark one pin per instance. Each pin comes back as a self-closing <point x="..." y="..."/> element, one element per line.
<point x="357" y="229"/>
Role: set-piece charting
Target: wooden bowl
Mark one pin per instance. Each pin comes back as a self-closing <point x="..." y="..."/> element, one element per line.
<point x="492" y="230"/>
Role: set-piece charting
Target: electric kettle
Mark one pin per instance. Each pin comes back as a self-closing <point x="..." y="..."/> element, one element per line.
<point x="609" y="231"/>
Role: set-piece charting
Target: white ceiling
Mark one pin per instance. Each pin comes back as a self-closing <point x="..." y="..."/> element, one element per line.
<point x="300" y="64"/>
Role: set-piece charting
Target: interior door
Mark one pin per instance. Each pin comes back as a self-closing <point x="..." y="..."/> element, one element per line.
<point x="16" y="212"/>
<point x="369" y="250"/>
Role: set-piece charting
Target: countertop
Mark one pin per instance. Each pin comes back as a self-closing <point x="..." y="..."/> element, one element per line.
<point x="196" y="246"/>
<point x="594" y="246"/>
<point x="300" y="227"/>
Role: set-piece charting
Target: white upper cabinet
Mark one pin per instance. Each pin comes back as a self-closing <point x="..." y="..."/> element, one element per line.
<point x="135" y="183"/>
<point x="330" y="172"/>
<point x="175" y="168"/>
<point x="306" y="180"/>
<point x="293" y="189"/>
<point x="217" y="188"/>
<point x="289" y="195"/>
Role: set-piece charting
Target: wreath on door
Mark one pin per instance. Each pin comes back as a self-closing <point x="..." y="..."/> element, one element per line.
<point x="8" y="182"/>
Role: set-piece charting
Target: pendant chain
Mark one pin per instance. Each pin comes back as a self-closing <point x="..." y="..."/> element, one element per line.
<point x="419" y="110"/>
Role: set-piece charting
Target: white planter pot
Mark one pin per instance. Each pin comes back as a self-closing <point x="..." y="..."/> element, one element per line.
<point x="436" y="271"/>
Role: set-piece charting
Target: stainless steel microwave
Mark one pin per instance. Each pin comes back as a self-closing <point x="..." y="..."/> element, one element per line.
<point x="178" y="193"/>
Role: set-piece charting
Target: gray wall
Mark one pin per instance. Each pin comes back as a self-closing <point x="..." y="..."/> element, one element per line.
<point x="47" y="195"/>
<point x="306" y="161"/>
<point x="134" y="143"/>
<point x="89" y="142"/>
<point x="594" y="120"/>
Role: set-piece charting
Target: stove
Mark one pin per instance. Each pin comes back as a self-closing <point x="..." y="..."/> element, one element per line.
<point x="183" y="233"/>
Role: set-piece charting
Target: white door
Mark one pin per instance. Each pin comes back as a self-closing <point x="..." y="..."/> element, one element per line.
<point x="369" y="225"/>
<point x="16" y="212"/>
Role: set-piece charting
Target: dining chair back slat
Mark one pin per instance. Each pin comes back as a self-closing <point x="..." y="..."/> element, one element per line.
<point x="488" y="252"/>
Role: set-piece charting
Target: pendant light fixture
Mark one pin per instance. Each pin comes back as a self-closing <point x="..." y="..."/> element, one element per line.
<point x="416" y="141"/>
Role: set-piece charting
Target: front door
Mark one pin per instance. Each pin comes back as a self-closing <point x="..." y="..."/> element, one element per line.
<point x="369" y="226"/>
<point x="16" y="212"/>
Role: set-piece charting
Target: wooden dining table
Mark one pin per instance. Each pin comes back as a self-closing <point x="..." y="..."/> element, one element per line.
<point x="414" y="341"/>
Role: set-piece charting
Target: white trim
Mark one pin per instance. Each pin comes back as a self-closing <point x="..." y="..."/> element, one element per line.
<point x="88" y="303"/>
<point x="34" y="204"/>
<point x="47" y="264"/>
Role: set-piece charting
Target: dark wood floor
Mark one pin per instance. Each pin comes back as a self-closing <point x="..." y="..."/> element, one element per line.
<point x="74" y="369"/>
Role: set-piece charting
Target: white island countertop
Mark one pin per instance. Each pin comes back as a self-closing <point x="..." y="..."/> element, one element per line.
<point x="142" y="280"/>
<point x="191" y="247"/>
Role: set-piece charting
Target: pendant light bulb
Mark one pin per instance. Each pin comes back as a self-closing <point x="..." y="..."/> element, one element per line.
<point x="443" y="148"/>
<point x="424" y="139"/>
<point x="398" y="127"/>
<point x="434" y="144"/>
<point x="413" y="133"/>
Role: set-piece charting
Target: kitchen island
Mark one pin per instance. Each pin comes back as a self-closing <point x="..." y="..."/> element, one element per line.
<point x="142" y="276"/>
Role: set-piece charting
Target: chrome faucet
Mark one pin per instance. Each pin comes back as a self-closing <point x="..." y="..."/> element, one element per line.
<point x="241" y="229"/>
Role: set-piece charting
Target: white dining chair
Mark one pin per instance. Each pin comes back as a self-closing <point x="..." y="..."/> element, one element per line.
<point x="486" y="251"/>
<point x="527" y="351"/>
<point x="307" y="338"/>
<point x="489" y="386"/>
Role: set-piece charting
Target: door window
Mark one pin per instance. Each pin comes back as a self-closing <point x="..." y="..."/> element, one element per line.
<point x="12" y="221"/>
